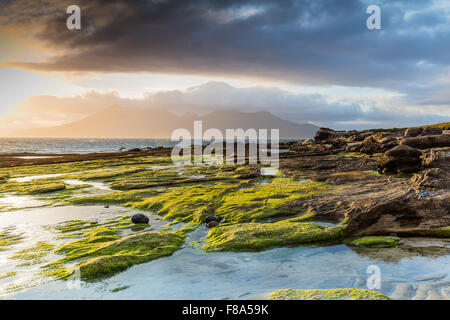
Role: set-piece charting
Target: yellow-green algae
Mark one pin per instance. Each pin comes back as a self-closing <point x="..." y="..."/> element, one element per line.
<point x="327" y="294"/>
<point x="105" y="174"/>
<point x="263" y="201"/>
<point x="8" y="274"/>
<point x="120" y="288"/>
<point x="259" y="236"/>
<point x="81" y="228"/>
<point x="376" y="242"/>
<point x="107" y="255"/>
<point x="78" y="166"/>
<point x="38" y="186"/>
<point x="158" y="178"/>
<point x="33" y="255"/>
<point x="193" y="203"/>
<point x="8" y="238"/>
<point x="120" y="197"/>
<point x="442" y="232"/>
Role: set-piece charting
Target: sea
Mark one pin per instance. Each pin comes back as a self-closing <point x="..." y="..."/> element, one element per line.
<point x="52" y="145"/>
<point x="63" y="145"/>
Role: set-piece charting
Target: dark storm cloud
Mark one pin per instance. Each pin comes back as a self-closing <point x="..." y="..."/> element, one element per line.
<point x="308" y="42"/>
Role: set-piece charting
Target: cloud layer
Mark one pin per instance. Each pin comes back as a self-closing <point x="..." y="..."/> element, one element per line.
<point x="41" y="111"/>
<point x="299" y="42"/>
<point x="309" y="42"/>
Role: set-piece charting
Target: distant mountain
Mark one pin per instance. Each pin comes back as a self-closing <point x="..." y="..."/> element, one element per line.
<point x="120" y="122"/>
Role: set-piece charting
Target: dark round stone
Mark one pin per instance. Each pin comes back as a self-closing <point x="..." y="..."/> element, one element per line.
<point x="139" y="218"/>
<point x="212" y="218"/>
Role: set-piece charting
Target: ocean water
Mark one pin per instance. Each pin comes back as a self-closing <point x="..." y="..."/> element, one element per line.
<point x="47" y="145"/>
<point x="61" y="145"/>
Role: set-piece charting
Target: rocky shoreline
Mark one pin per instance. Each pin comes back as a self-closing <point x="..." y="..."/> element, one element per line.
<point x="374" y="189"/>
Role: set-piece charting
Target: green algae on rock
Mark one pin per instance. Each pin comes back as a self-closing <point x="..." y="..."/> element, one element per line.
<point x="105" y="174"/>
<point x="192" y="203"/>
<point x="8" y="274"/>
<point x="327" y="294"/>
<point x="442" y="232"/>
<point x="47" y="188"/>
<point x="38" y="186"/>
<point x="8" y="238"/>
<point x="259" y="236"/>
<point x="269" y="200"/>
<point x="120" y="197"/>
<point x="108" y="255"/>
<point x="33" y="255"/>
<point x="376" y="242"/>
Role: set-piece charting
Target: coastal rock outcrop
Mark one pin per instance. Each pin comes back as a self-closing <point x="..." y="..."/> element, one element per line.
<point x="427" y="142"/>
<point x="327" y="134"/>
<point x="431" y="178"/>
<point x="413" y="132"/>
<point x="400" y="159"/>
<point x="437" y="158"/>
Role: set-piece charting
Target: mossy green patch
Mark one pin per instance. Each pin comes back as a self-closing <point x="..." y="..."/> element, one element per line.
<point x="82" y="228"/>
<point x="263" y="201"/>
<point x="327" y="294"/>
<point x="108" y="255"/>
<point x="120" y="288"/>
<point x="8" y="274"/>
<point x="33" y="187"/>
<point x="46" y="188"/>
<point x="120" y="197"/>
<point x="8" y="238"/>
<point x="106" y="174"/>
<point x="442" y="232"/>
<point x="192" y="203"/>
<point x="259" y="236"/>
<point x="376" y="242"/>
<point x="116" y="163"/>
<point x="33" y="255"/>
<point x="158" y="178"/>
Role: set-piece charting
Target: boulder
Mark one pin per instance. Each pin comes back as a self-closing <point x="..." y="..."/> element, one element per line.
<point x="401" y="159"/>
<point x="139" y="218"/>
<point x="327" y="134"/>
<point x="371" y="145"/>
<point x="403" y="151"/>
<point x="431" y="131"/>
<point x="413" y="132"/>
<point x="427" y="142"/>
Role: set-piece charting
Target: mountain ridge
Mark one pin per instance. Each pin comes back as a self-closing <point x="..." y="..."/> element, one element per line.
<point x="132" y="122"/>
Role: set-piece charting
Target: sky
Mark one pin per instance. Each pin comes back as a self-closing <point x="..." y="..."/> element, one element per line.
<point x="302" y="60"/>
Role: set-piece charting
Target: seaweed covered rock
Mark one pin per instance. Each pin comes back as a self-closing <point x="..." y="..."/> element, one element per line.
<point x="259" y="236"/>
<point x="327" y="294"/>
<point x="46" y="188"/>
<point x="327" y="134"/>
<point x="376" y="242"/>
<point x="401" y="159"/>
<point x="108" y="255"/>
